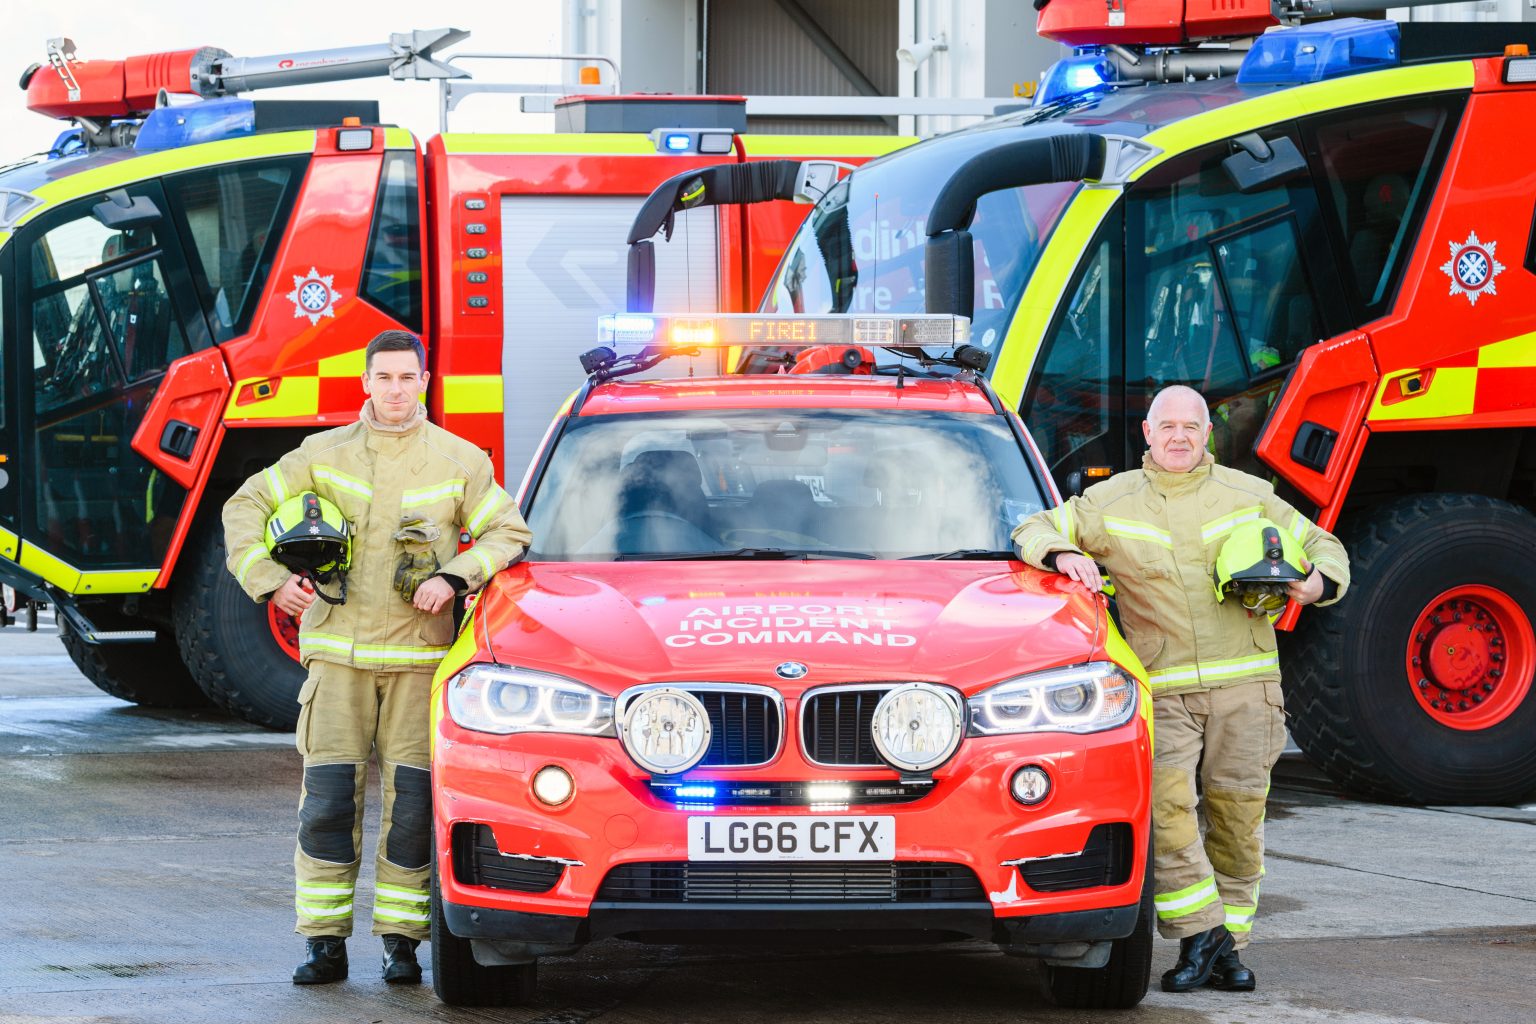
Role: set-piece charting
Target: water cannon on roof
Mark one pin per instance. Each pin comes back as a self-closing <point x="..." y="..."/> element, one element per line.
<point x="1129" y="42"/>
<point x="95" y="92"/>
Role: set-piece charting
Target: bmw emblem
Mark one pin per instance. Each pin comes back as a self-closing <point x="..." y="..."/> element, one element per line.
<point x="791" y="670"/>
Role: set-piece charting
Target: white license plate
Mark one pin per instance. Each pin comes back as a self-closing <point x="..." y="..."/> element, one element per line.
<point x="799" y="838"/>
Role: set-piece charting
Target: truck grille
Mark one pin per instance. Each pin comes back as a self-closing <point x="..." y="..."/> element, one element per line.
<point x="478" y="861"/>
<point x="835" y="726"/>
<point x="747" y="882"/>
<point x="745" y="727"/>
<point x="1105" y="860"/>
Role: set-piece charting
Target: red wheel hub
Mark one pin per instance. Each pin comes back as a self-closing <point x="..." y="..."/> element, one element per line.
<point x="285" y="630"/>
<point x="1471" y="654"/>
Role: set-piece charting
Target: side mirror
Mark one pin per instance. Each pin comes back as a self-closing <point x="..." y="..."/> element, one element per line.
<point x="120" y="213"/>
<point x="1260" y="164"/>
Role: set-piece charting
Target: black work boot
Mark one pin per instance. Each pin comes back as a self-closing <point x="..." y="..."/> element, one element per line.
<point x="1197" y="959"/>
<point x="1229" y="974"/>
<point x="400" y="966"/>
<point x="325" y="961"/>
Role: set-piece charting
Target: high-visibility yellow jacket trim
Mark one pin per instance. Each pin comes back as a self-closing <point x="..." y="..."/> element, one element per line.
<point x="1157" y="534"/>
<point x="376" y="478"/>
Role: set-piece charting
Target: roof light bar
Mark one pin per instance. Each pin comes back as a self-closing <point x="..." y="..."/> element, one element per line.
<point x="1311" y="53"/>
<point x="748" y="330"/>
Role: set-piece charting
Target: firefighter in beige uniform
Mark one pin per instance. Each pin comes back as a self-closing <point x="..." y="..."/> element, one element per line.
<point x="1214" y="673"/>
<point x="408" y="487"/>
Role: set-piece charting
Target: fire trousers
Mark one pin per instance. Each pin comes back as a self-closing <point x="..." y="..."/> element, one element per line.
<point x="346" y="716"/>
<point x="1233" y="735"/>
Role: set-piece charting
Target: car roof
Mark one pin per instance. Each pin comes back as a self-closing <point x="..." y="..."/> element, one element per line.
<point x="787" y="391"/>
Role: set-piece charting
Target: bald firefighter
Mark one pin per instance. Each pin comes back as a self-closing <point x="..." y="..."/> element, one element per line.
<point x="1214" y="672"/>
<point x="407" y="488"/>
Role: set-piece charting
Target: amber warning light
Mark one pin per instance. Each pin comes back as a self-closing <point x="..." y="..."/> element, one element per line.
<point x="724" y="330"/>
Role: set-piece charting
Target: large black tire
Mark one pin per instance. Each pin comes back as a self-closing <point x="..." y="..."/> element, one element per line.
<point x="1349" y="697"/>
<point x="1119" y="984"/>
<point x="227" y="641"/>
<point x="460" y="980"/>
<point x="151" y="675"/>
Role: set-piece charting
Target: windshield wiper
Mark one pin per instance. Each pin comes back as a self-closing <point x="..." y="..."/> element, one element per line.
<point x="764" y="554"/>
<point x="964" y="554"/>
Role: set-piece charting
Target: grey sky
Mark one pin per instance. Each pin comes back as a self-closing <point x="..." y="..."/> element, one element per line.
<point x="112" y="29"/>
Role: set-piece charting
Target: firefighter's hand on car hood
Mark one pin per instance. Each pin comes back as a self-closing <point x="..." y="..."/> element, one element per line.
<point x="1080" y="568"/>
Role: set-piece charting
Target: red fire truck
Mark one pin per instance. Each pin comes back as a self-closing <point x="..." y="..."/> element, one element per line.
<point x="1327" y="230"/>
<point x="188" y="287"/>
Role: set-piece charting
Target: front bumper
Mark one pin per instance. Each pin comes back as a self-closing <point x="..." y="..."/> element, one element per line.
<point x="550" y="933"/>
<point x="969" y="821"/>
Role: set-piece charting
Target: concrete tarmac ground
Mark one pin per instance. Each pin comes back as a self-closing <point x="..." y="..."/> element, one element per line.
<point x="145" y="864"/>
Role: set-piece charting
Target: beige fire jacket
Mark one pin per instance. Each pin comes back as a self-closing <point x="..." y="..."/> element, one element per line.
<point x="1157" y="534"/>
<point x="375" y="478"/>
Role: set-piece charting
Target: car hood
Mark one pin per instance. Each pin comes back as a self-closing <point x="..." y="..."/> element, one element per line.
<point x="613" y="625"/>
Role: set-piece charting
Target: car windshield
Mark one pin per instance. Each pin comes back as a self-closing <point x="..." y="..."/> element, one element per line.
<point x="782" y="484"/>
<point x="861" y="249"/>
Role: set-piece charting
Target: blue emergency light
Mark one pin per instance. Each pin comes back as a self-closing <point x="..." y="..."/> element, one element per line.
<point x="1078" y="75"/>
<point x="1311" y="53"/>
<point x="695" y="792"/>
<point x="208" y="121"/>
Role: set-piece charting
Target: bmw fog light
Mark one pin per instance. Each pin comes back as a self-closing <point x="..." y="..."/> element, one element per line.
<point x="917" y="727"/>
<point x="666" y="731"/>
<point x="553" y="785"/>
<point x="1031" y="785"/>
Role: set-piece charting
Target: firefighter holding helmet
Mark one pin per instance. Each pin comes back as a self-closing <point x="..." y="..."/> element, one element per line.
<point x="368" y="519"/>
<point x="1201" y="555"/>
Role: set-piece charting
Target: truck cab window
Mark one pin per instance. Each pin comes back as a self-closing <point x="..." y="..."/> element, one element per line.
<point x="1070" y="404"/>
<point x="1218" y="295"/>
<point x="1380" y="165"/>
<point x="234" y="217"/>
<point x="392" y="273"/>
<point x="104" y="328"/>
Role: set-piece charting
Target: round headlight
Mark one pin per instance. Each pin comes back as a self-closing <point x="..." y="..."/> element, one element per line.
<point x="666" y="731"/>
<point x="916" y="727"/>
<point x="553" y="785"/>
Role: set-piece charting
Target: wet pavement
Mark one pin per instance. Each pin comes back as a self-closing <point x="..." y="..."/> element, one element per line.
<point x="145" y="859"/>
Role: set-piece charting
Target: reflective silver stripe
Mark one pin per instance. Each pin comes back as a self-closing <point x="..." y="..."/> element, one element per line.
<point x="247" y="560"/>
<point x="1223" y="526"/>
<point x="485" y="561"/>
<point x="276" y="485"/>
<point x="384" y="654"/>
<point x="483" y="512"/>
<point x="437" y="492"/>
<point x="1138" y="531"/>
<point x="1299" y="526"/>
<point x="325" y="642"/>
<point x="1230" y="669"/>
<point x="336" y="478"/>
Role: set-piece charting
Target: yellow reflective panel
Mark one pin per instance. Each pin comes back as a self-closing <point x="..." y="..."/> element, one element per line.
<point x="1121" y="654"/>
<point x="348" y="364"/>
<point x="1451" y="391"/>
<point x="73" y="581"/>
<point x="7" y="544"/>
<point x="293" y="398"/>
<point x="398" y="138"/>
<point x="1519" y="351"/>
<point x="472" y="393"/>
<point x="1047" y="287"/>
